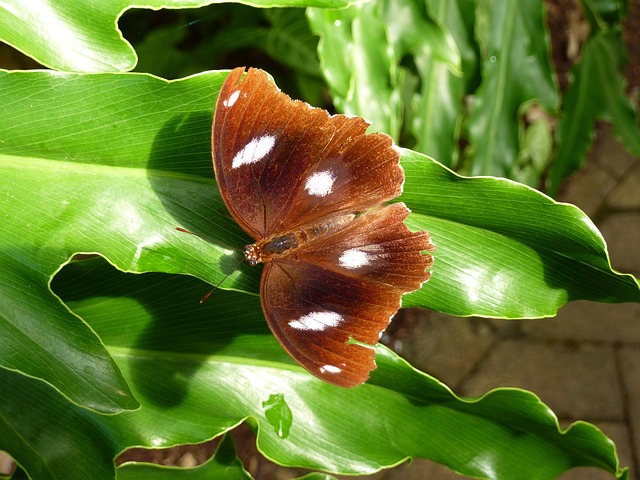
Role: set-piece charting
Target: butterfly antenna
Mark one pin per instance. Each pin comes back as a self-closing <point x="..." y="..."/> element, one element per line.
<point x="206" y="297"/>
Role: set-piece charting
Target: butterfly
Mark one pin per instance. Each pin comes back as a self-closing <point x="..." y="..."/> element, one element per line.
<point x="310" y="189"/>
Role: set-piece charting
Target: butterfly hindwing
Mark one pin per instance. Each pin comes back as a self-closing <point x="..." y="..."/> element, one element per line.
<point x="346" y="286"/>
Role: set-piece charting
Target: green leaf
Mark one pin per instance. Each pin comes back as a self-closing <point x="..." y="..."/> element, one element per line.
<point x="290" y="40"/>
<point x="597" y="90"/>
<point x="361" y="49"/>
<point x="225" y="464"/>
<point x="439" y="103"/>
<point x="199" y="370"/>
<point x="411" y="29"/>
<point x="504" y="249"/>
<point x="363" y="83"/>
<point x="335" y="47"/>
<point x="535" y="155"/>
<point x="601" y="14"/>
<point x="82" y="36"/>
<point x="41" y="338"/>
<point x="515" y="73"/>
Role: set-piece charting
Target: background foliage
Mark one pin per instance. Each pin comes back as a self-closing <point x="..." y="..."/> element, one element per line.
<point x="96" y="360"/>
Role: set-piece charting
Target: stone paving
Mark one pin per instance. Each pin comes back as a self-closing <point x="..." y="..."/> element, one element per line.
<point x="584" y="363"/>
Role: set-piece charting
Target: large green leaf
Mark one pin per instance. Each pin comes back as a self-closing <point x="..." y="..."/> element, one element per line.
<point x="114" y="163"/>
<point x="597" y="91"/>
<point x="516" y="71"/>
<point x="199" y="370"/>
<point x="82" y="36"/>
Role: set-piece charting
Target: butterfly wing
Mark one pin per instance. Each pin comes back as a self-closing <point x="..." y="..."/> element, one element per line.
<point x="344" y="286"/>
<point x="280" y="163"/>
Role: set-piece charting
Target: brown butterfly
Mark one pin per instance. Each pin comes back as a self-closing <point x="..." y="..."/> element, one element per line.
<point x="308" y="187"/>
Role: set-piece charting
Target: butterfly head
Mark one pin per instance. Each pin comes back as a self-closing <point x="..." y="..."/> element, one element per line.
<point x="252" y="254"/>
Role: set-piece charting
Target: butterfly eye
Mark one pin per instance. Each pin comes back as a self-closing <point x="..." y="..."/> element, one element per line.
<point x="310" y="189"/>
<point x="252" y="255"/>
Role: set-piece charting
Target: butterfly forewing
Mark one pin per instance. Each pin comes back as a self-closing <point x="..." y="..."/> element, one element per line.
<point x="309" y="188"/>
<point x="280" y="163"/>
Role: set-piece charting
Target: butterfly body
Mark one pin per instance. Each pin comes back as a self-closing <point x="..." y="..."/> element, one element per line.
<point x="310" y="189"/>
<point x="260" y="252"/>
<point x="286" y="243"/>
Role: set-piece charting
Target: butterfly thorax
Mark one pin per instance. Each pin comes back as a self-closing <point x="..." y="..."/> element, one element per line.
<point x="264" y="250"/>
<point x="285" y="243"/>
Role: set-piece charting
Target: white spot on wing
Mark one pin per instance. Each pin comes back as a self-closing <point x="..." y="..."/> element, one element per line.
<point x="316" y="321"/>
<point x="320" y="184"/>
<point x="330" y="369"/>
<point x="228" y="102"/>
<point x="254" y="151"/>
<point x="354" y="258"/>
